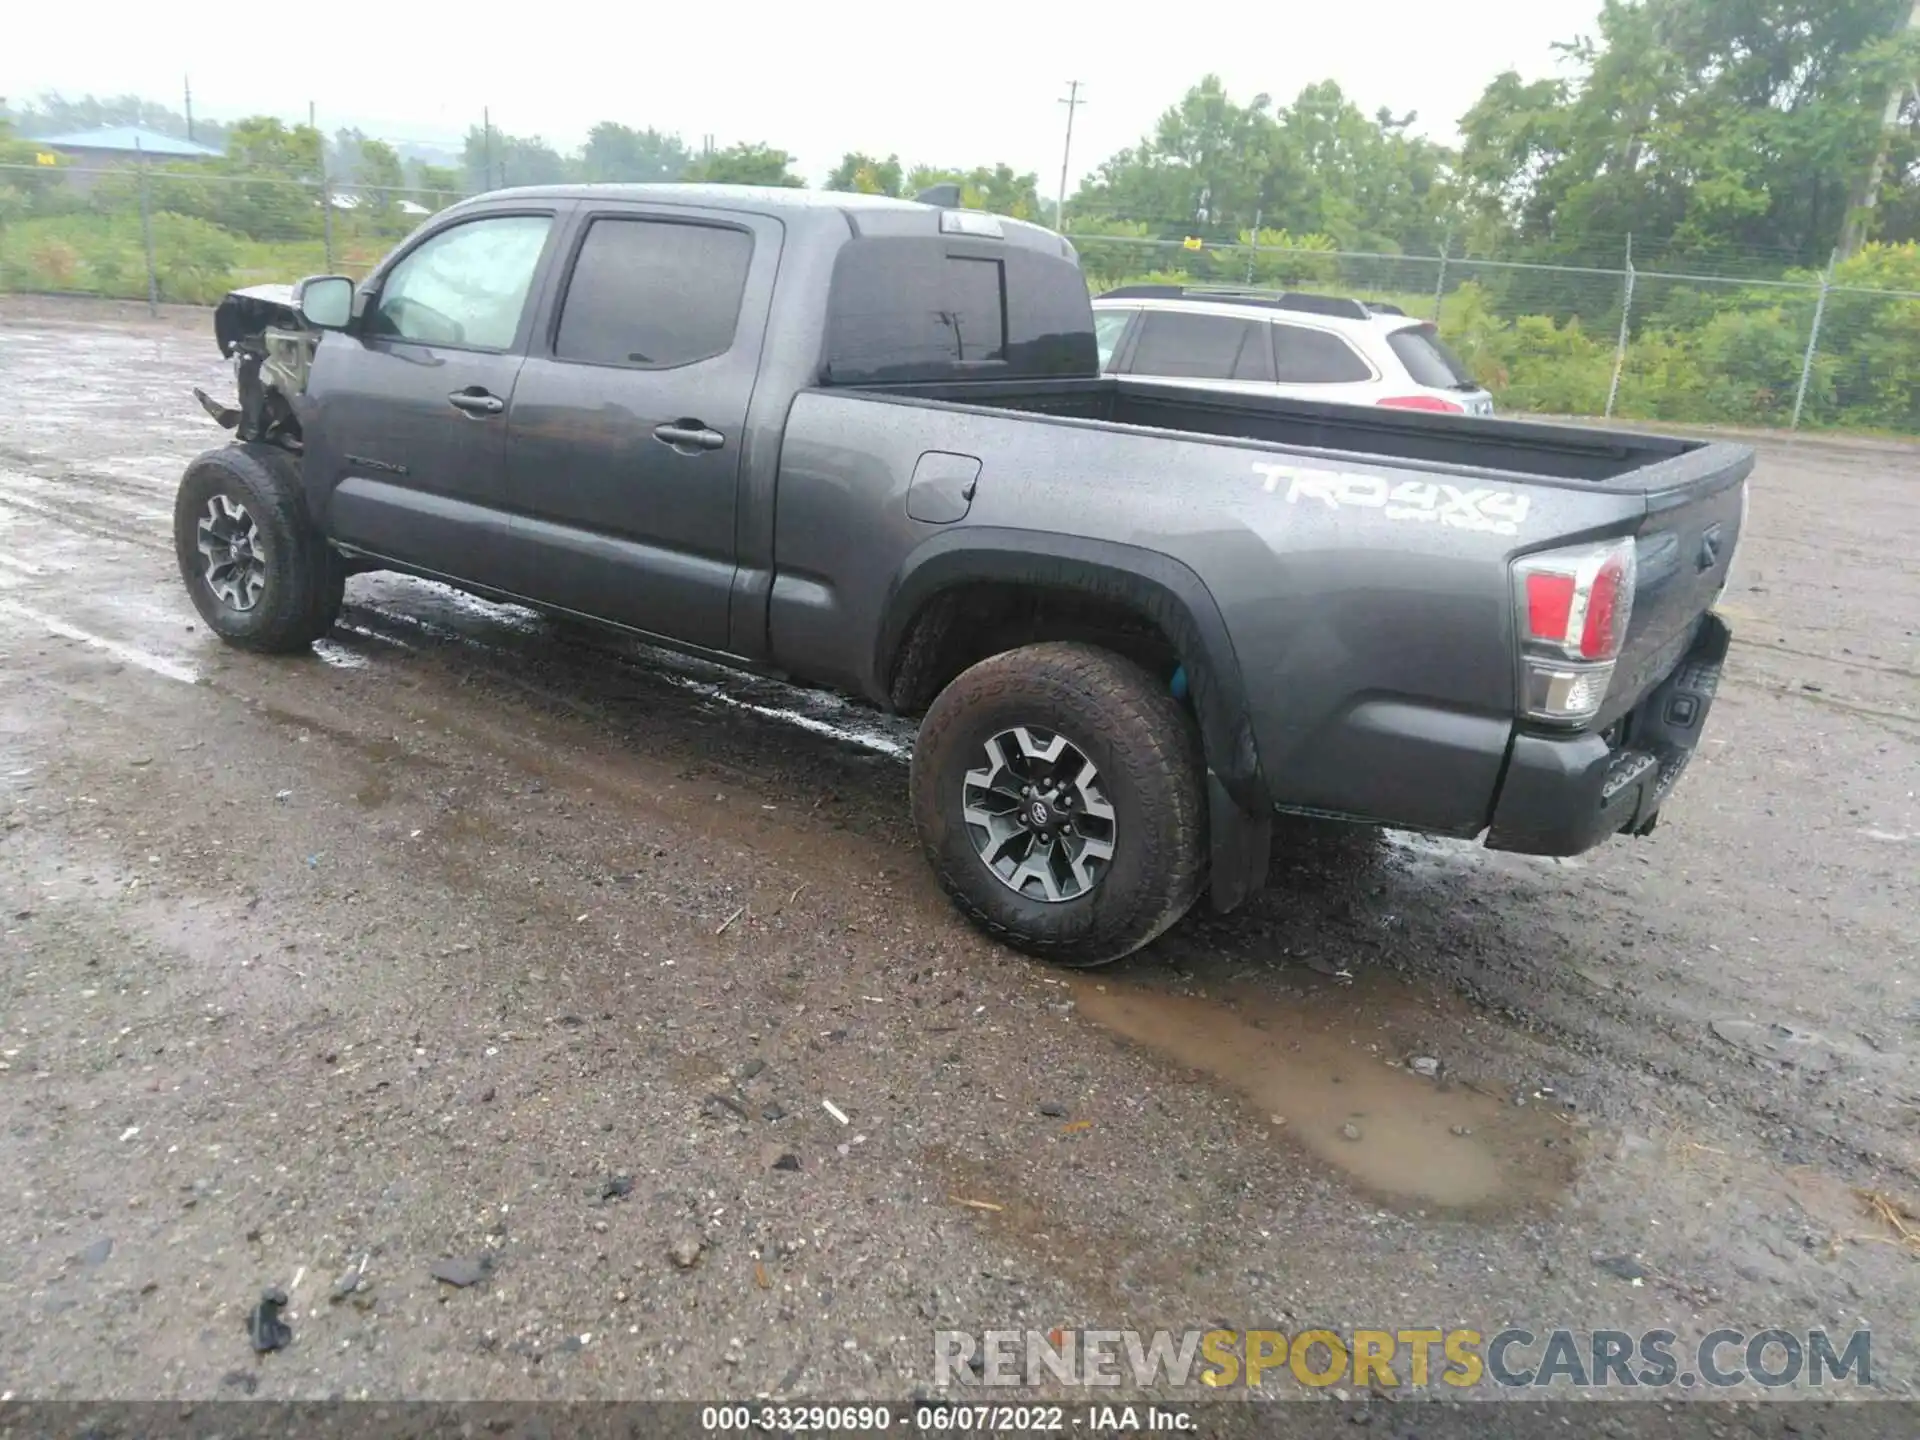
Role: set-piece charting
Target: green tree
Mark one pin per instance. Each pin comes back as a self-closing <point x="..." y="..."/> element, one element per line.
<point x="618" y="153"/>
<point x="1704" y="128"/>
<point x="1214" y="167"/>
<point x="265" y="145"/>
<point x="1111" y="250"/>
<point x="494" y="160"/>
<point x="998" y="188"/>
<point x="435" y="185"/>
<point x="867" y="176"/>
<point x="379" y="167"/>
<point x="756" y="164"/>
<point x="267" y="185"/>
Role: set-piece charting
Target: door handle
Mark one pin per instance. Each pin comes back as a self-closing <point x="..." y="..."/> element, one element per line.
<point x="476" y="401"/>
<point x="686" y="435"/>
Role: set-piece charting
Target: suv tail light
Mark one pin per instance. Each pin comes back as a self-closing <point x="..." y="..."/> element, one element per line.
<point x="1421" y="402"/>
<point x="1572" y="607"/>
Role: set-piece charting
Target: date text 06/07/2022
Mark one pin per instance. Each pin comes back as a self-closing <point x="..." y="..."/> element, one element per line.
<point x="938" y="1418"/>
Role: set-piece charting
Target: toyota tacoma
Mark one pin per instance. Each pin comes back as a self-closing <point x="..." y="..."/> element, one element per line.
<point x="865" y="444"/>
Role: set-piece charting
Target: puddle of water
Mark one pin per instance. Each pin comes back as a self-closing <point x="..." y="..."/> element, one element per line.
<point x="1438" y="1144"/>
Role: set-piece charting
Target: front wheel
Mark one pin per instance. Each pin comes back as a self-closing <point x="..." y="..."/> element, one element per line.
<point x="260" y="574"/>
<point x="1059" y="791"/>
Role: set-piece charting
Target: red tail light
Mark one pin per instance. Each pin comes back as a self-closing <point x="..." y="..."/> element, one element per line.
<point x="1549" y="604"/>
<point x="1574" y="608"/>
<point x="1421" y="402"/>
<point x="1608" y="605"/>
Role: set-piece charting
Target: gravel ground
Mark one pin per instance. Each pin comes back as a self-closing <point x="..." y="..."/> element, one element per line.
<point x="471" y="939"/>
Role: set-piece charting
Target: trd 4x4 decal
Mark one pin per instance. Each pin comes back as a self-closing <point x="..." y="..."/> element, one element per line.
<point x="1493" y="512"/>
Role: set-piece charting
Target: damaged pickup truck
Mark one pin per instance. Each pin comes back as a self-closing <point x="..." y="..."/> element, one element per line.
<point x="865" y="444"/>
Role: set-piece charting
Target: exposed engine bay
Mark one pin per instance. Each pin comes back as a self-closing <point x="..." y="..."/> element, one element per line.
<point x="271" y="349"/>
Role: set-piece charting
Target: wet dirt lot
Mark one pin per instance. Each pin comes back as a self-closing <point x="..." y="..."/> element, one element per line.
<point x="470" y="937"/>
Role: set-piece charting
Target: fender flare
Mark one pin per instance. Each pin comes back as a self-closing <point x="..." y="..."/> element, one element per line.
<point x="1161" y="588"/>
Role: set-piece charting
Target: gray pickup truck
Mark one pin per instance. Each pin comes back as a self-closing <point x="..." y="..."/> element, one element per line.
<point x="865" y="444"/>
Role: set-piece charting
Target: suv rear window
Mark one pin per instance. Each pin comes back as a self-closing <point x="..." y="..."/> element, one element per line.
<point x="1429" y="361"/>
<point x="1202" y="347"/>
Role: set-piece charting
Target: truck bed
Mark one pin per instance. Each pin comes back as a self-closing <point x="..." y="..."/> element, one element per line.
<point x="1523" y="450"/>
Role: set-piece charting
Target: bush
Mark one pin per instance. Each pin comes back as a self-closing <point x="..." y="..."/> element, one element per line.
<point x="106" y="255"/>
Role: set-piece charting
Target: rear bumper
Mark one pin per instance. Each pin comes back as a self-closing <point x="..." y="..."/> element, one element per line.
<point x="1563" y="795"/>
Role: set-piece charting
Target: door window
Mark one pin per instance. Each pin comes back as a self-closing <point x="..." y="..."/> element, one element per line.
<point x="654" y="293"/>
<point x="1316" y="357"/>
<point x="466" y="286"/>
<point x="1202" y="347"/>
<point x="1108" y="327"/>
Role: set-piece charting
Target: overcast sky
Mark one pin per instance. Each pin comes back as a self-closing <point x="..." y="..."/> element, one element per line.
<point x="961" y="83"/>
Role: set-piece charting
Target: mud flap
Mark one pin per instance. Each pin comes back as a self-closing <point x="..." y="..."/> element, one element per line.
<point x="1241" y="845"/>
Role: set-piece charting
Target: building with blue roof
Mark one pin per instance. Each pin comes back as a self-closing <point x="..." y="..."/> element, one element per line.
<point x="119" y="144"/>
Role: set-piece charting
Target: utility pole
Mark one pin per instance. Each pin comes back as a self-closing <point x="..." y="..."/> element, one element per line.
<point x="1860" y="214"/>
<point x="1073" y="102"/>
<point x="189" y="107"/>
<point x="486" y="132"/>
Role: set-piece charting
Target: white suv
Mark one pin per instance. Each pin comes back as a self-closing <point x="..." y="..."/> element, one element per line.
<point x="1316" y="347"/>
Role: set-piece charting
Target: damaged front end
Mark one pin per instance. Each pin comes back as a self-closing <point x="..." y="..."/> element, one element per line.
<point x="271" y="348"/>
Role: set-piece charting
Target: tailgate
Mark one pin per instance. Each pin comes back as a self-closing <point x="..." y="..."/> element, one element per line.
<point x="1696" y="504"/>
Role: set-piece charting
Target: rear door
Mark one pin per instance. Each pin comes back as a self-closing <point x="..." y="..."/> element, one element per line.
<point x="1204" y="351"/>
<point x="407" y="437"/>
<point x="1318" y="364"/>
<point x="628" y="426"/>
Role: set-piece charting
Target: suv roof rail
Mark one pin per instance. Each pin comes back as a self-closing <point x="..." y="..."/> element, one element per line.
<point x="1266" y="299"/>
<point x="1380" y="309"/>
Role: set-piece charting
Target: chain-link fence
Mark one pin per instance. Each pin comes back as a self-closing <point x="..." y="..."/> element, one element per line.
<point x="1753" y="344"/>
<point x="1793" y="350"/>
<point x="187" y="236"/>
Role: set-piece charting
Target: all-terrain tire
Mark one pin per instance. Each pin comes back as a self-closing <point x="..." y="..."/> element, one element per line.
<point x="1149" y="762"/>
<point x="305" y="578"/>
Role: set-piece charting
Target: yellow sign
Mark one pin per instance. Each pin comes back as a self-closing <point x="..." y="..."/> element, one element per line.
<point x="41" y="157"/>
<point x="1193" y="242"/>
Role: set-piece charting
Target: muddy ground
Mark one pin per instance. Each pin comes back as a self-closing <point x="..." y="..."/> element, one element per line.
<point x="468" y="937"/>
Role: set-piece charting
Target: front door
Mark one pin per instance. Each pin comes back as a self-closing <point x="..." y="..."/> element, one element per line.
<point x="629" y="419"/>
<point x="407" y="438"/>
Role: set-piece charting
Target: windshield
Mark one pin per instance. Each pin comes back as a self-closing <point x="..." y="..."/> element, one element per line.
<point x="1429" y="361"/>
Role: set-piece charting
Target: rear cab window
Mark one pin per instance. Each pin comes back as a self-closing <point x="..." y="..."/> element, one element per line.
<point x="906" y="309"/>
<point x="1428" y="359"/>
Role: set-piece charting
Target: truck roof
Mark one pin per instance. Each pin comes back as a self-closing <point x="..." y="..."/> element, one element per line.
<point x="774" y="199"/>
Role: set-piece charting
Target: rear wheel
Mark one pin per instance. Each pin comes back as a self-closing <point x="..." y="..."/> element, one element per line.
<point x="260" y="574"/>
<point x="1059" y="792"/>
